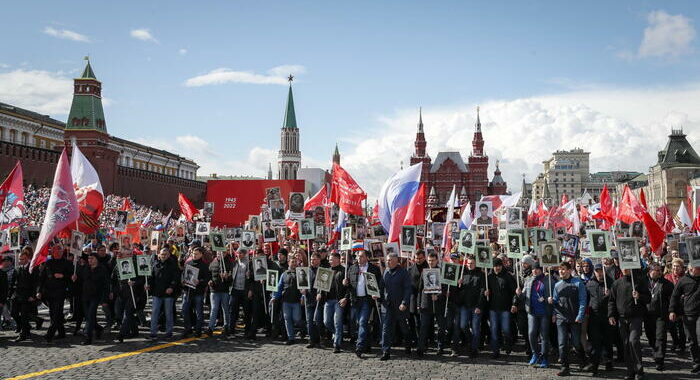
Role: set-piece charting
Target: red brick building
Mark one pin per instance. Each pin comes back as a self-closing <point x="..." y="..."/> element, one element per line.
<point x="450" y="169"/>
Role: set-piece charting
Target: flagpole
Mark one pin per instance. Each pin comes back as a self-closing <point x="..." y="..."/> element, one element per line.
<point x="75" y="257"/>
<point x="447" y="299"/>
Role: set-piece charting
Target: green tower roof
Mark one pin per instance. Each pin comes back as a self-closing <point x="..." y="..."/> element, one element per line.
<point x="290" y="119"/>
<point x="86" y="111"/>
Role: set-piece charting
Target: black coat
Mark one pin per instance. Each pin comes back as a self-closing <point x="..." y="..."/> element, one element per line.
<point x="94" y="283"/>
<point x="597" y="300"/>
<point x="24" y="284"/>
<point x="471" y="293"/>
<point x="338" y="290"/>
<point x="502" y="288"/>
<point x="397" y="288"/>
<point x="221" y="285"/>
<point x="4" y="287"/>
<point x="621" y="304"/>
<point x="121" y="288"/>
<point x="661" y="290"/>
<point x="685" y="298"/>
<point x="354" y="276"/>
<point x="49" y="285"/>
<point x="165" y="275"/>
<point x="203" y="276"/>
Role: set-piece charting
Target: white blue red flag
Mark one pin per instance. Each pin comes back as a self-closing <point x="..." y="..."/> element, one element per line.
<point x="395" y="197"/>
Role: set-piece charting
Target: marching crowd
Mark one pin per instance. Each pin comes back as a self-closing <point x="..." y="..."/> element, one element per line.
<point x="589" y="314"/>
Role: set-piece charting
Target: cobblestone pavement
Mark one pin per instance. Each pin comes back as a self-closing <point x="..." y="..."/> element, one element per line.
<point x="216" y="357"/>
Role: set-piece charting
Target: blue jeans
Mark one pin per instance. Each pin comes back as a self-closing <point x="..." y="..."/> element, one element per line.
<point x="292" y="317"/>
<point x="468" y="318"/>
<point x="333" y="319"/>
<point x="218" y="301"/>
<point x="500" y="322"/>
<point x="197" y="300"/>
<point x="165" y="303"/>
<point x="392" y="317"/>
<point x="90" y="311"/>
<point x="538" y="328"/>
<point x="360" y="313"/>
<point x="568" y="333"/>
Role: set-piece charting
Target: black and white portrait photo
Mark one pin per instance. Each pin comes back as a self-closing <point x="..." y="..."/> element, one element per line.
<point x="408" y="238"/>
<point x="125" y="268"/>
<point x="272" y="193"/>
<point x="483" y="212"/>
<point x="203" y="228"/>
<point x="371" y="285"/>
<point x="599" y="244"/>
<point x="637" y="229"/>
<point x="628" y="253"/>
<point x="450" y="273"/>
<point x="143" y="265"/>
<point x="269" y="233"/>
<point x="514" y="246"/>
<point x="467" y="241"/>
<point x="376" y="249"/>
<point x="217" y="242"/>
<point x="254" y="223"/>
<point x="155" y="240"/>
<point x="346" y="238"/>
<point x="259" y="268"/>
<point x="248" y="239"/>
<point x="208" y="209"/>
<point x="76" y="242"/>
<point x="296" y="205"/>
<point x="302" y="274"/>
<point x="125" y="241"/>
<point x="514" y="217"/>
<point x="271" y="280"/>
<point x="190" y="276"/>
<point x="431" y="280"/>
<point x="390" y="248"/>
<point x="692" y="250"/>
<point x="324" y="277"/>
<point x="306" y="229"/>
<point x="549" y="254"/>
<point x="277" y="209"/>
<point x="120" y="221"/>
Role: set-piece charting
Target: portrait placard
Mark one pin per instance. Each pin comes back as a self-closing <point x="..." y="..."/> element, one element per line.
<point x="346" y="239"/>
<point x="271" y="280"/>
<point x="514" y="217"/>
<point x="408" y="239"/>
<point x="217" y="242"/>
<point x="377" y="249"/>
<point x="691" y="246"/>
<point x="431" y="280"/>
<point x="451" y="273"/>
<point x="208" y="209"/>
<point x="549" y="256"/>
<point x="467" y="242"/>
<point x="120" y="221"/>
<point x="77" y="241"/>
<point x="524" y="242"/>
<point x="303" y="275"/>
<point x="628" y="251"/>
<point x="254" y="222"/>
<point x="259" y="268"/>
<point x="190" y="275"/>
<point x="324" y="276"/>
<point x="599" y="243"/>
<point x="390" y="248"/>
<point x="125" y="268"/>
<point x="203" y="228"/>
<point x="306" y="229"/>
<point x="248" y="239"/>
<point x="502" y="236"/>
<point x="272" y="193"/>
<point x="514" y="246"/>
<point x="276" y="209"/>
<point x="483" y="256"/>
<point x="269" y="233"/>
<point x="296" y="205"/>
<point x="155" y="240"/>
<point x="143" y="265"/>
<point x="482" y="231"/>
<point x="371" y="285"/>
<point x="483" y="211"/>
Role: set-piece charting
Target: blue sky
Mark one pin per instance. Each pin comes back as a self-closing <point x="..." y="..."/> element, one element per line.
<point x="363" y="69"/>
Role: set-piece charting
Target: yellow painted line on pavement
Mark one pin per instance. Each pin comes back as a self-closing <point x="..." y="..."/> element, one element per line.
<point x="109" y="358"/>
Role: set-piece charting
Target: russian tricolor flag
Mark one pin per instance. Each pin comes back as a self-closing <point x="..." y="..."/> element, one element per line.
<point x="395" y="198"/>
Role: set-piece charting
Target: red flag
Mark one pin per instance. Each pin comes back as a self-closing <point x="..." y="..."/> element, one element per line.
<point x="375" y="213"/>
<point x="186" y="206"/>
<point x="606" y="207"/>
<point x="319" y="199"/>
<point x="696" y="221"/>
<point x="654" y="232"/>
<point x="415" y="215"/>
<point x="88" y="191"/>
<point x="629" y="210"/>
<point x="643" y="199"/>
<point x="542" y="213"/>
<point x="61" y="211"/>
<point x="293" y="228"/>
<point x="583" y="214"/>
<point x="345" y="192"/>
<point x="664" y="219"/>
<point x="12" y="199"/>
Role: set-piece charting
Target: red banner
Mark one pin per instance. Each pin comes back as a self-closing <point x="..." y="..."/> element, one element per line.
<point x="345" y="192"/>
<point x="235" y="200"/>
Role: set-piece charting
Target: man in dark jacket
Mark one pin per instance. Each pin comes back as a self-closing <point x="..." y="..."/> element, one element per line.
<point x="239" y="291"/>
<point x="54" y="277"/>
<point x="536" y="289"/>
<point x="289" y="296"/>
<point x="94" y="282"/>
<point x="397" y="297"/>
<point x="361" y="302"/>
<point x="415" y="271"/>
<point x="685" y="302"/>
<point x="336" y="299"/>
<point x="314" y="317"/>
<point x="656" y="318"/>
<point x="500" y="294"/>
<point x="23" y="289"/>
<point x="569" y="299"/>
<point x="195" y="297"/>
<point x="600" y="333"/>
<point x="219" y="284"/>
<point x="432" y="307"/>
<point x="471" y="299"/>
<point x="166" y="278"/>
<point x="626" y="308"/>
<point x="122" y="291"/>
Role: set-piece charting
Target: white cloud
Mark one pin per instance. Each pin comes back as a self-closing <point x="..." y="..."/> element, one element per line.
<point x="143" y="35"/>
<point x="622" y="128"/>
<point x="276" y="75"/>
<point x="66" y="34"/>
<point x="36" y="90"/>
<point x="667" y="35"/>
<point x="182" y="51"/>
<point x="4" y="66"/>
